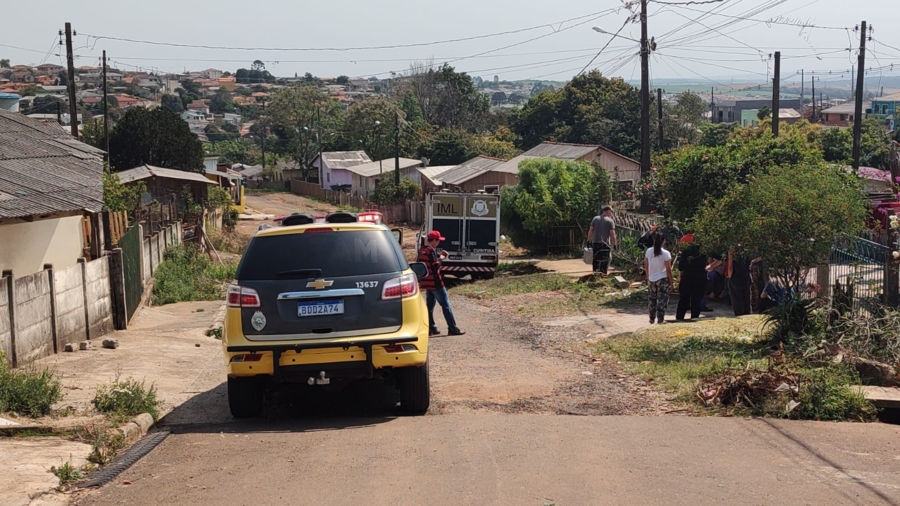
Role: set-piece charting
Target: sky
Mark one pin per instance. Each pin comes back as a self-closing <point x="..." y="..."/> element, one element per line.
<point x="551" y="41"/>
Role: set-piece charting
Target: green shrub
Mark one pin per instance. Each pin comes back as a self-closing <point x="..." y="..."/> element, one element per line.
<point x="186" y="274"/>
<point x="122" y="399"/>
<point x="28" y="392"/>
<point x="67" y="473"/>
<point x="828" y="394"/>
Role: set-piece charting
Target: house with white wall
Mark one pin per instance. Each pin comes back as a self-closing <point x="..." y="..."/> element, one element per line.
<point x="48" y="181"/>
<point x="333" y="167"/>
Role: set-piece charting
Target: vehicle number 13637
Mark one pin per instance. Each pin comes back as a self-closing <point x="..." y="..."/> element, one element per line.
<point x="367" y="284"/>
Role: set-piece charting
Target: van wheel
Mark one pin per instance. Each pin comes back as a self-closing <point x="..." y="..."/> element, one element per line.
<point x="415" y="392"/>
<point x="245" y="397"/>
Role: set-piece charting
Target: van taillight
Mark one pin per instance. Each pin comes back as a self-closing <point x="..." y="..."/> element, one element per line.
<point x="402" y="287"/>
<point x="239" y="296"/>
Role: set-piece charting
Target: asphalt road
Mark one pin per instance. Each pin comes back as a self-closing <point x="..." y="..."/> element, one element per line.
<point x="495" y="436"/>
<point x="492" y="459"/>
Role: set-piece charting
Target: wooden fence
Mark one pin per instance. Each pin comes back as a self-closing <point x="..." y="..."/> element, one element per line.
<point x="411" y="211"/>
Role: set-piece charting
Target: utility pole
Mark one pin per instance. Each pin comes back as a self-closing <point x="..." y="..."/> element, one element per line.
<point x="59" y="113"/>
<point x="860" y="79"/>
<point x="397" y="148"/>
<point x="645" y="101"/>
<point x="712" y="104"/>
<point x="319" y="142"/>
<point x="812" y="114"/>
<point x="802" y="85"/>
<point x="660" y="121"/>
<point x="105" y="111"/>
<point x="70" y="58"/>
<point x="776" y="94"/>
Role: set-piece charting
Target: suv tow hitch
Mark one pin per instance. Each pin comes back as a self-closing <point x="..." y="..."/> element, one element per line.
<point x="321" y="380"/>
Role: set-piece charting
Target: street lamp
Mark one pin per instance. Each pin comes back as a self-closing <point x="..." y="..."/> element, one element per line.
<point x="601" y="30"/>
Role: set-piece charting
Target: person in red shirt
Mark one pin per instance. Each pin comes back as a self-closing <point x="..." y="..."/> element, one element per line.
<point x="433" y="284"/>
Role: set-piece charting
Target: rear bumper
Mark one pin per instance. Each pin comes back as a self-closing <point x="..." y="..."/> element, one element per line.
<point x="273" y="355"/>
<point x="452" y="267"/>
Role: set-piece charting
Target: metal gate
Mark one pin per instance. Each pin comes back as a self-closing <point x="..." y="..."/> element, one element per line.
<point x="134" y="278"/>
<point x="861" y="266"/>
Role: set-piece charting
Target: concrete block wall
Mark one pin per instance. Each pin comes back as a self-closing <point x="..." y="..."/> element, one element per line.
<point x="34" y="317"/>
<point x="5" y="333"/>
<point x="71" y="325"/>
<point x="99" y="298"/>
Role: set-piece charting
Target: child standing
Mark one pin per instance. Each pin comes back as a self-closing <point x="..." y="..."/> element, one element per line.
<point x="658" y="266"/>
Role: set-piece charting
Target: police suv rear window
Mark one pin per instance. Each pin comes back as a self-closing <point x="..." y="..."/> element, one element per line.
<point x="335" y="254"/>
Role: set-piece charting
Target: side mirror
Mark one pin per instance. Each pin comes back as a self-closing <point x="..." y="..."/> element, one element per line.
<point x="398" y="234"/>
<point x="419" y="268"/>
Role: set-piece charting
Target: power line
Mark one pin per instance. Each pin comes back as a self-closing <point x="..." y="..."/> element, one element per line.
<point x="605" y="46"/>
<point x="688" y="3"/>
<point x="773" y="21"/>
<point x="360" y="48"/>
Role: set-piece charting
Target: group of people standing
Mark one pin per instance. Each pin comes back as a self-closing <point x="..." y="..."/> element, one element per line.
<point x="703" y="275"/>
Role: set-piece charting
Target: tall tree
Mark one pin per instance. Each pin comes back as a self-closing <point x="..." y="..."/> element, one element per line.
<point x="590" y="109"/>
<point x="295" y="116"/>
<point x="447" y="99"/>
<point x="343" y="80"/>
<point x="4" y="63"/>
<point x="155" y="137"/>
<point x="221" y="102"/>
<point x="369" y="125"/>
<point x="172" y="103"/>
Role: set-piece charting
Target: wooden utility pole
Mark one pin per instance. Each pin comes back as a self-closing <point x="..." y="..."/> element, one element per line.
<point x="105" y="110"/>
<point x="802" y="85"/>
<point x="59" y="113"/>
<point x="712" y="104"/>
<point x="776" y="94"/>
<point x="645" y="101"/>
<point x="397" y="148"/>
<point x="860" y="80"/>
<point x="70" y="58"/>
<point x="659" y="108"/>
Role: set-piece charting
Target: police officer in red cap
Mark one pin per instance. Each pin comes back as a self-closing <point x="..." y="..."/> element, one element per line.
<point x="433" y="284"/>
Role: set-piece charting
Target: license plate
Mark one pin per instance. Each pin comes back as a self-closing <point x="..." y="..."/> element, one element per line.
<point x="320" y="308"/>
<point x="454" y="257"/>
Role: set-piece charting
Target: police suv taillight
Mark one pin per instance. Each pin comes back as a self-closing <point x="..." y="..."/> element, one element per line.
<point x="402" y="287"/>
<point x="239" y="296"/>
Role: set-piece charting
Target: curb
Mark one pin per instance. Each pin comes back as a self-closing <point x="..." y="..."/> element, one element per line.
<point x="137" y="428"/>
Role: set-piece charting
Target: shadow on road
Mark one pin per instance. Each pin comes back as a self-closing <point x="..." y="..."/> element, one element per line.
<point x="289" y="408"/>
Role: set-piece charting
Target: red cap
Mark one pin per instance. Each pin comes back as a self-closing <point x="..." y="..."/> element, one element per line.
<point x="434" y="235"/>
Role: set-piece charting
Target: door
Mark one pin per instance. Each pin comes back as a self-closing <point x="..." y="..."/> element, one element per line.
<point x="481" y="215"/>
<point x="447" y="218"/>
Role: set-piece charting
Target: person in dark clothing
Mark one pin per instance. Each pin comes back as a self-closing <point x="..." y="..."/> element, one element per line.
<point x="738" y="273"/>
<point x="692" y="283"/>
<point x="433" y="284"/>
<point x="602" y="234"/>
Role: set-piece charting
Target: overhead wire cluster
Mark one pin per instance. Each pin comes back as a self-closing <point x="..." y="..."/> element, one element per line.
<point x="685" y="49"/>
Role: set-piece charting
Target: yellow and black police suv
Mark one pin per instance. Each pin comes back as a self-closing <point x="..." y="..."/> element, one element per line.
<point x="323" y="304"/>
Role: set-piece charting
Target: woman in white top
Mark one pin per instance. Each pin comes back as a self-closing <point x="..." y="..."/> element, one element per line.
<point x="658" y="266"/>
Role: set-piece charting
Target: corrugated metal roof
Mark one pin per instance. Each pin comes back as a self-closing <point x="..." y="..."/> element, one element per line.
<point x="434" y="173"/>
<point x="469" y="170"/>
<point x="344" y="159"/>
<point x="847" y="108"/>
<point x="560" y="151"/>
<point x="43" y="170"/>
<point x="373" y="168"/>
<point x="148" y="171"/>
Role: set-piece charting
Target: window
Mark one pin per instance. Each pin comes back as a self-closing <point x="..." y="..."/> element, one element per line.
<point x="328" y="176"/>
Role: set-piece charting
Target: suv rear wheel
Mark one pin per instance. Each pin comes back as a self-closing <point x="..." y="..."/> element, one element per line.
<point x="245" y="397"/>
<point x="415" y="391"/>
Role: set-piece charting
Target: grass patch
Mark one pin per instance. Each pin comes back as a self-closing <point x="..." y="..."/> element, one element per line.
<point x="186" y="275"/>
<point x="67" y="473"/>
<point x="229" y="242"/>
<point x="105" y="441"/>
<point x="123" y="399"/>
<point x="722" y="366"/>
<point x="28" y="391"/>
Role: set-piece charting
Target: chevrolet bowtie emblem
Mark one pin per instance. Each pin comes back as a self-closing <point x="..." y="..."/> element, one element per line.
<point x="319" y="284"/>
